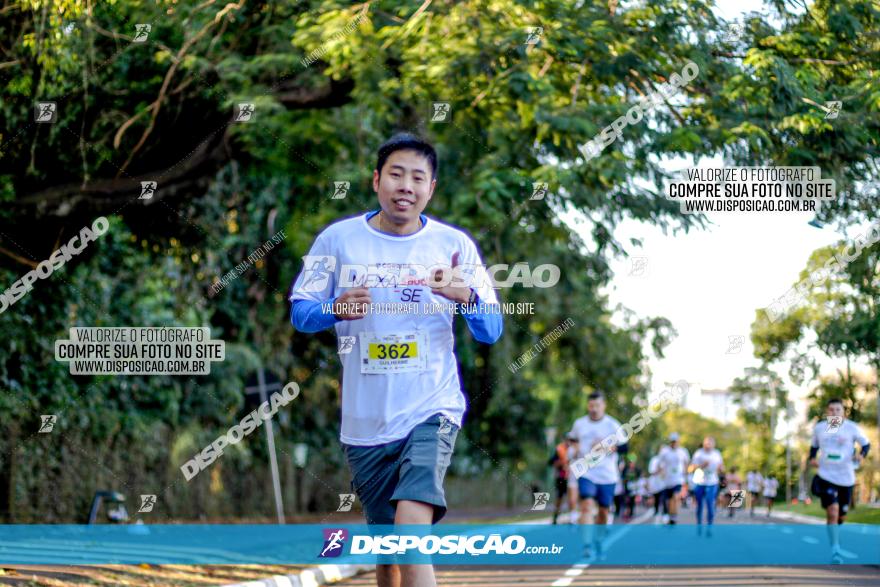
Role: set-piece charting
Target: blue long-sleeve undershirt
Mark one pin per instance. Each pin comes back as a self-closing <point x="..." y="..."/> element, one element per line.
<point x="484" y="322"/>
<point x="308" y="316"/>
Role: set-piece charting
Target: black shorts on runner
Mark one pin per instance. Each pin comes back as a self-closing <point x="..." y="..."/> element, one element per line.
<point x="412" y="468"/>
<point x="829" y="493"/>
<point x="561" y="487"/>
<point x="670" y="491"/>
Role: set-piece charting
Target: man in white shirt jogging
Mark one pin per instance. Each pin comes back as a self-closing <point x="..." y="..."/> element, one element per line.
<point x="834" y="440"/>
<point x="754" y="481"/>
<point x="402" y="403"/>
<point x="707" y="463"/>
<point x="657" y="489"/>
<point x="673" y="463"/>
<point x="599" y="445"/>
<point x="771" y="486"/>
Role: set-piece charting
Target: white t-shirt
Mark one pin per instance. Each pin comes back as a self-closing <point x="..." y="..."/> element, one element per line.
<point x="380" y="407"/>
<point x="754" y="481"/>
<point x="836" y="451"/>
<point x="655" y="481"/>
<point x="711" y="461"/>
<point x="673" y="464"/>
<point x="589" y="433"/>
<point x="770" y="487"/>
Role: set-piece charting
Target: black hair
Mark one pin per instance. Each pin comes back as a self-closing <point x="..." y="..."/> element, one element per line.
<point x="404" y="141"/>
<point x="596" y="395"/>
<point x="834" y="400"/>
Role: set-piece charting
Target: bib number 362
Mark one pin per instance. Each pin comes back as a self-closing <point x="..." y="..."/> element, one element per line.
<point x="404" y="350"/>
<point x="393" y="353"/>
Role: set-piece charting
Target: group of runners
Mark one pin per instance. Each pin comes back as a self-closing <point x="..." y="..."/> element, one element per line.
<point x="673" y="475"/>
<point x="402" y="403"/>
<point x="619" y="480"/>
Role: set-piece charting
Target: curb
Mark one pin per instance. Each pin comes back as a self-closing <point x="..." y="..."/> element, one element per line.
<point x="319" y="575"/>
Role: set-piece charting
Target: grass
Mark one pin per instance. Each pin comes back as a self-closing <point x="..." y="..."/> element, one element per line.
<point x="861" y="514"/>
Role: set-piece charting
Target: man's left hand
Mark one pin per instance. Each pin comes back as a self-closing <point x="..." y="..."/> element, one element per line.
<point x="457" y="292"/>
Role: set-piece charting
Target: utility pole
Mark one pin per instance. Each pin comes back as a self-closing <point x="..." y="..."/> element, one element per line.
<point x="264" y="389"/>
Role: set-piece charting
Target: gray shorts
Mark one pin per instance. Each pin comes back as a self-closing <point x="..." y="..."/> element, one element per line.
<point x="411" y="468"/>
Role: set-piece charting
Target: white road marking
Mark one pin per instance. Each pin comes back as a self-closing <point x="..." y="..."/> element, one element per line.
<point x="578" y="569"/>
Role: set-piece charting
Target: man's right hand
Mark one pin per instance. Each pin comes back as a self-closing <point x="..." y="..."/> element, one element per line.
<point x="814" y="462"/>
<point x="353" y="304"/>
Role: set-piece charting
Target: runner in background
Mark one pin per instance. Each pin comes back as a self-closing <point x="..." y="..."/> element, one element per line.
<point x="754" y="481"/>
<point x="619" y="500"/>
<point x="707" y="464"/>
<point x="642" y="491"/>
<point x="597" y="483"/>
<point x="834" y="440"/>
<point x="734" y="483"/>
<point x="771" y="485"/>
<point x="673" y="463"/>
<point x="560" y="463"/>
<point x="630" y="477"/>
<point x="572" y="479"/>
<point x="657" y="488"/>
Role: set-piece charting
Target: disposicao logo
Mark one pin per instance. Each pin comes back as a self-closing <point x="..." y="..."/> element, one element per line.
<point x="334" y="542"/>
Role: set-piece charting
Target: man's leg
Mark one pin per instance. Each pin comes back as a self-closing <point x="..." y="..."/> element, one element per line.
<point x="601" y="528"/>
<point x="711" y="498"/>
<point x="673" y="504"/>
<point x="388" y="575"/>
<point x="700" y="495"/>
<point x="573" y="504"/>
<point x="832" y="519"/>
<point x="414" y="512"/>
<point x="584" y="511"/>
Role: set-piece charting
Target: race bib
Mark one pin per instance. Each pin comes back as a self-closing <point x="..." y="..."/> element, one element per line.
<point x="393" y="353"/>
<point x="833" y="456"/>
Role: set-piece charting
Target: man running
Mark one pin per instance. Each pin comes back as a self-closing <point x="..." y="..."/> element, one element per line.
<point x="560" y="462"/>
<point x="657" y="489"/>
<point x="673" y="463"/>
<point x="402" y="403"/>
<point x="707" y="463"/>
<point x="734" y="484"/>
<point x="771" y="485"/>
<point x="835" y="439"/>
<point x="599" y="445"/>
<point x="754" y="481"/>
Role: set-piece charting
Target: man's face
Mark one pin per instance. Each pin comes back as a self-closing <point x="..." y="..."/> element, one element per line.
<point x="833" y="410"/>
<point x="405" y="185"/>
<point x="596" y="408"/>
<point x="708" y="443"/>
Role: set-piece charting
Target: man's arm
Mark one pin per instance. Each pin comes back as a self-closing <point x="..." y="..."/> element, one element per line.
<point x="308" y="316"/>
<point x="863" y="442"/>
<point x="483" y="320"/>
<point x="814" y="448"/>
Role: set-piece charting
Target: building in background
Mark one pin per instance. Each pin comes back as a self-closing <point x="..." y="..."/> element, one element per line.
<point x="717" y="404"/>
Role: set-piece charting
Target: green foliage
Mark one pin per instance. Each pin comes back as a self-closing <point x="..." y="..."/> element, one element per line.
<point x="162" y="109"/>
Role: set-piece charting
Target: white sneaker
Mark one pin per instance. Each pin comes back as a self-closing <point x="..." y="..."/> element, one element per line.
<point x="658" y="519"/>
<point x="665" y="518"/>
<point x="610" y="518"/>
